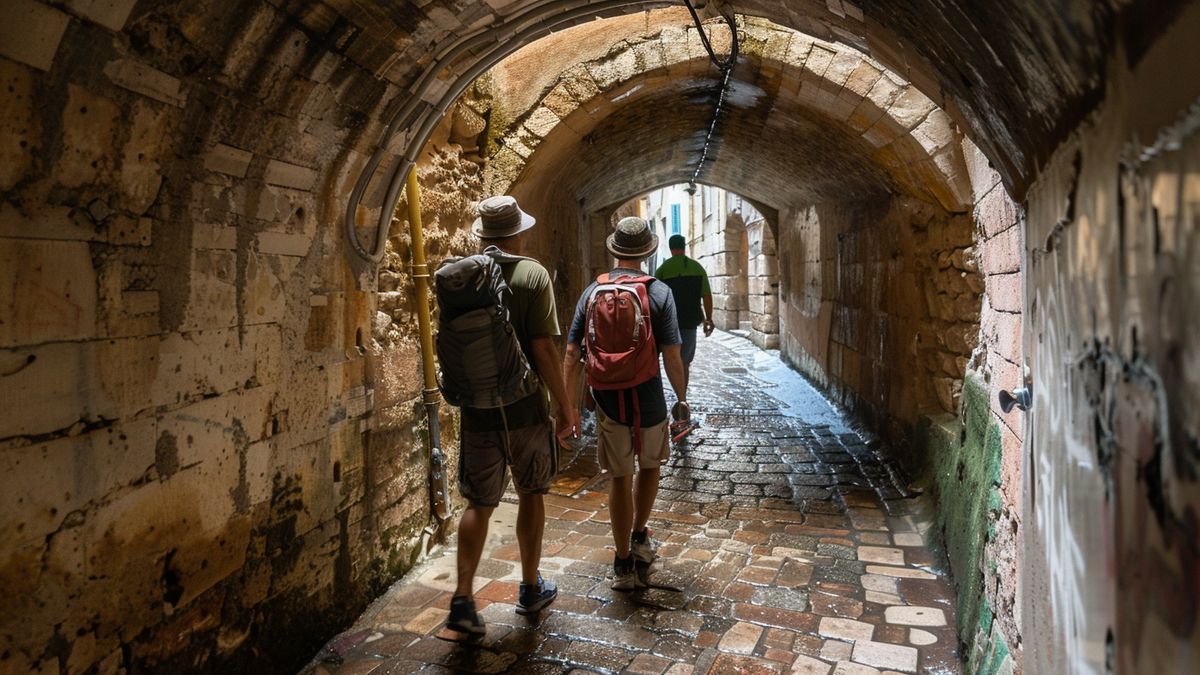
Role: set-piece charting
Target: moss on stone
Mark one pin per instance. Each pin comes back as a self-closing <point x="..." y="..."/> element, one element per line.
<point x="961" y="463"/>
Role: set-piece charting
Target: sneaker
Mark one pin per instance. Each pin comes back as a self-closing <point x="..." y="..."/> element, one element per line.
<point x="532" y="598"/>
<point x="463" y="617"/>
<point x="646" y="550"/>
<point x="625" y="576"/>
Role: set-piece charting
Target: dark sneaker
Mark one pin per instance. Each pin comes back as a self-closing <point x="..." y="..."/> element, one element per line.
<point x="644" y="548"/>
<point x="625" y="576"/>
<point x="532" y="598"/>
<point x="463" y="617"/>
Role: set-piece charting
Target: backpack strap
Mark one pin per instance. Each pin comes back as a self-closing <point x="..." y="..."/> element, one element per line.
<point x="503" y="256"/>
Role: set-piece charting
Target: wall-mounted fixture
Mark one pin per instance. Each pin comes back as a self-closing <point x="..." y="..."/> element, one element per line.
<point x="1021" y="397"/>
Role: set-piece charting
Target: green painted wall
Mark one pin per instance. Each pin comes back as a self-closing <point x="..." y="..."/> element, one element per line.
<point x="958" y="459"/>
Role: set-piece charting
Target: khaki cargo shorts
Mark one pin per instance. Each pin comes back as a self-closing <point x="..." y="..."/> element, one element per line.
<point x="615" y="446"/>
<point x="483" y="464"/>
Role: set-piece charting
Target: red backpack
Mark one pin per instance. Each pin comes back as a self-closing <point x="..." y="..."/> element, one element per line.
<point x="619" y="341"/>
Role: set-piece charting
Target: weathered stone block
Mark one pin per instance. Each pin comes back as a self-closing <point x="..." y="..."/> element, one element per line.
<point x="541" y="122"/>
<point x="995" y="211"/>
<point x="840" y="69"/>
<point x="725" y="320"/>
<point x="949" y="164"/>
<point x="819" y="58"/>
<point x="214" y="361"/>
<point x="89" y="126"/>
<point x="1003" y="253"/>
<point x="20" y="124"/>
<point x="280" y="243"/>
<point x="910" y="108"/>
<point x="1001" y="331"/>
<point x="862" y="79"/>
<point x="208" y="236"/>
<point x="883" y="132"/>
<point x="264" y="298"/>
<point x="135" y="303"/>
<point x="147" y="81"/>
<point x="126" y="231"/>
<point x="935" y="132"/>
<point x="30" y="32"/>
<point x="42" y="485"/>
<point x="764" y="304"/>
<point x="48" y="292"/>
<point x="1004" y="292"/>
<point x="112" y="14"/>
<point x="289" y="175"/>
<point x="228" y="160"/>
<point x="765" y="323"/>
<point x="832" y="105"/>
<point x="215" y="429"/>
<point x="212" y="292"/>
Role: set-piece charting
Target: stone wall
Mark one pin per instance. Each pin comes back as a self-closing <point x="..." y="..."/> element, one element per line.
<point x="879" y="305"/>
<point x="911" y="317"/>
<point x="1111" y="493"/>
<point x="742" y="268"/>
<point x="206" y="460"/>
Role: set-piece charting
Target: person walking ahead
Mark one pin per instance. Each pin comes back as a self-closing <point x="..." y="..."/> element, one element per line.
<point x="689" y="286"/>
<point x="623" y="373"/>
<point x="519" y="435"/>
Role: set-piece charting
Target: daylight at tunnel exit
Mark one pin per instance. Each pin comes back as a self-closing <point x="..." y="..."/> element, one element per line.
<point x="565" y="337"/>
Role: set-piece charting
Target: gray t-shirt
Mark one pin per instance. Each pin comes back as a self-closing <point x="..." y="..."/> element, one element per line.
<point x="665" y="325"/>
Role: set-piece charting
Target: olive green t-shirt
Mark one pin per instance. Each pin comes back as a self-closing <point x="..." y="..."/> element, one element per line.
<point x="532" y="313"/>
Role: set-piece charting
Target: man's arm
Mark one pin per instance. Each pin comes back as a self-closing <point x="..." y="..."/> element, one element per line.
<point x="708" y="315"/>
<point x="673" y="362"/>
<point x="545" y="355"/>
<point x="707" y="296"/>
<point x="572" y="366"/>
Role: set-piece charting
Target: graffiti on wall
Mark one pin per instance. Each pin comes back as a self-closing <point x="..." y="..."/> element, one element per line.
<point x="1112" y="563"/>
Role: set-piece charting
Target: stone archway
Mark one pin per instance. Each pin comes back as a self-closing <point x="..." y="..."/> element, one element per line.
<point x="190" y="394"/>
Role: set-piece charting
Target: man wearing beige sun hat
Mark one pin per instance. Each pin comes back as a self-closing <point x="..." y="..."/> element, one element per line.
<point x="623" y="375"/>
<point x="519" y="435"/>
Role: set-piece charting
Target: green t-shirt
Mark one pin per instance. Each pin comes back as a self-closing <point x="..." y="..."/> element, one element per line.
<point x="532" y="313"/>
<point x="689" y="284"/>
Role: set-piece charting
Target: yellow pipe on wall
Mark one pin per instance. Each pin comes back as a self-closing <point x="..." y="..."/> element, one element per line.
<point x="439" y="500"/>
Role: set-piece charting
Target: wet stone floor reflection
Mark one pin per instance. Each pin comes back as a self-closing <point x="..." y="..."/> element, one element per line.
<point x="796" y="548"/>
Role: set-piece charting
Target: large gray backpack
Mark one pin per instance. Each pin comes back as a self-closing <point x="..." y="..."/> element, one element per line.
<point x="482" y="363"/>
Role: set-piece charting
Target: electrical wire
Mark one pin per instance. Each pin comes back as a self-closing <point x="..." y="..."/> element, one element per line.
<point x="725" y="66"/>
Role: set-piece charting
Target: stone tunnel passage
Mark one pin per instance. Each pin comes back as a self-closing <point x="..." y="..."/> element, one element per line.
<point x="796" y="549"/>
<point x="212" y="455"/>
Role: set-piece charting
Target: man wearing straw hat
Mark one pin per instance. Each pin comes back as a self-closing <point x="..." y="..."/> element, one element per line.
<point x="632" y="490"/>
<point x="519" y="435"/>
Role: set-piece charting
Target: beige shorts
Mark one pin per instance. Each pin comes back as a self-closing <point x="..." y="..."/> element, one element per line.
<point x="615" y="446"/>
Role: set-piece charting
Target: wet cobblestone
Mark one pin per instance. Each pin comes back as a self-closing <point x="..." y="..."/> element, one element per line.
<point x="795" y="544"/>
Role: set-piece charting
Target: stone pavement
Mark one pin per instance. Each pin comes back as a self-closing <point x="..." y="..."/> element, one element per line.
<point x="796" y="548"/>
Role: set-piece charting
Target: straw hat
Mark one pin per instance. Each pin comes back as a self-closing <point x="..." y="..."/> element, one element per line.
<point x="500" y="217"/>
<point x="632" y="239"/>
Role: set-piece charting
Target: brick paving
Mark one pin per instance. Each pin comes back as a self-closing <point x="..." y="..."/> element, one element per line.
<point x="796" y="548"/>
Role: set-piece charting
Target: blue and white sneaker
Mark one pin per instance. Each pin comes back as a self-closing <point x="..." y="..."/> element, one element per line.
<point x="533" y="598"/>
<point x="464" y="619"/>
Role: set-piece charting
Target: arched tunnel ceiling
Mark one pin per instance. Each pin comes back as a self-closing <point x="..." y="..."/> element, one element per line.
<point x="777" y="158"/>
<point x="1017" y="76"/>
<point x="602" y="112"/>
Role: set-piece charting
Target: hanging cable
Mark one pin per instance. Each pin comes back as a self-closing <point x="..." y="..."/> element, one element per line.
<point x="725" y="66"/>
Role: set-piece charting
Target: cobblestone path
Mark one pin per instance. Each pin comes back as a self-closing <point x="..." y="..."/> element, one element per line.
<point x="796" y="550"/>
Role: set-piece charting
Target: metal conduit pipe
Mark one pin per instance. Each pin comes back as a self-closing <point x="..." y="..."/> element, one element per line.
<point x="439" y="500"/>
<point x="532" y="24"/>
